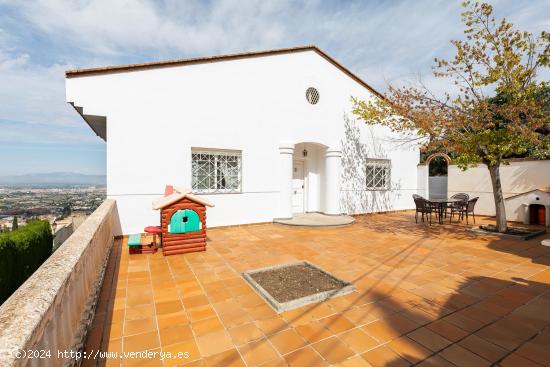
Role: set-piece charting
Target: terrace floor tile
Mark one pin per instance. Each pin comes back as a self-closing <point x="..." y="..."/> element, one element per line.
<point x="358" y="340"/>
<point x="333" y="350"/>
<point x="214" y="343"/>
<point x="305" y="357"/>
<point x="175" y="334"/>
<point x="245" y="333"/>
<point x="132" y="327"/>
<point x="313" y="332"/>
<point x="258" y="352"/>
<point x="384" y="356"/>
<point x="141" y="342"/>
<point x="426" y="295"/>
<point x="287" y="341"/>
<point x="429" y="339"/>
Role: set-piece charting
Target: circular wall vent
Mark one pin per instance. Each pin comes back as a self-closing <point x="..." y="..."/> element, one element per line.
<point x="312" y="95"/>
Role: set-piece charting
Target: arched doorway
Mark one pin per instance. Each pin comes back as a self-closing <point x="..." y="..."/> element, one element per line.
<point x="309" y="179"/>
<point x="438" y="165"/>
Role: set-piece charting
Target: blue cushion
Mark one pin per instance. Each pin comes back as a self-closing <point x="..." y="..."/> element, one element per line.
<point x="134" y="240"/>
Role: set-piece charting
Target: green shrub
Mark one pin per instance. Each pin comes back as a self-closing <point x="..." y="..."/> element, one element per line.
<point x="21" y="253"/>
<point x="6" y="267"/>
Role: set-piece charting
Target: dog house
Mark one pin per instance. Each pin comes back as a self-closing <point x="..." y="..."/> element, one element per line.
<point x="182" y="220"/>
<point x="531" y="207"/>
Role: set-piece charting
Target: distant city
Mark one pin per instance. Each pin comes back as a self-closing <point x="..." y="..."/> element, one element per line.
<point x="61" y="198"/>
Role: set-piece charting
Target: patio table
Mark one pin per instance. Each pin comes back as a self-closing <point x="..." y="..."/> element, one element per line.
<point x="442" y="204"/>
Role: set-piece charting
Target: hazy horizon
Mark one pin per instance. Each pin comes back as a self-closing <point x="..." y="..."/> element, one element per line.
<point x="53" y="178"/>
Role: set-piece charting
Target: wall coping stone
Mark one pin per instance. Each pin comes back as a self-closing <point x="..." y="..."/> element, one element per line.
<point x="25" y="315"/>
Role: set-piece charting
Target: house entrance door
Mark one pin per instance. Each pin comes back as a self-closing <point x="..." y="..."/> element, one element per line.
<point x="298" y="187"/>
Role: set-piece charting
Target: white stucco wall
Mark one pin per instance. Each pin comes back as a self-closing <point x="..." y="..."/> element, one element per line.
<point x="361" y="142"/>
<point x="155" y="117"/>
<point x="517" y="177"/>
<point x="422" y="180"/>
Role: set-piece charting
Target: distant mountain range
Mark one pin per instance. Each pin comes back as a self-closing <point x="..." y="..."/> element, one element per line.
<point x="54" y="178"/>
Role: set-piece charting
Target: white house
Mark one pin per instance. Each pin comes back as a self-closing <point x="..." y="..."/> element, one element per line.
<point x="262" y="135"/>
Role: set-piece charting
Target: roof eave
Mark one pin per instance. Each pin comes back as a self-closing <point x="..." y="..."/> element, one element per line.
<point x="75" y="73"/>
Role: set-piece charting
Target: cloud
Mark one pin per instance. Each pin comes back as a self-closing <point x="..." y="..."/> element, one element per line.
<point x="8" y="62"/>
<point x="32" y="93"/>
<point x="392" y="39"/>
<point x="117" y="27"/>
<point x="382" y="41"/>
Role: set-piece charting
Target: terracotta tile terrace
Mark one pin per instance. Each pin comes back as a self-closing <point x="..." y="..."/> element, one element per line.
<point x="427" y="296"/>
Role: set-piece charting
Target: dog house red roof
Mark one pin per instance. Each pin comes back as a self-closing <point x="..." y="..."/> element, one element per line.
<point x="174" y="194"/>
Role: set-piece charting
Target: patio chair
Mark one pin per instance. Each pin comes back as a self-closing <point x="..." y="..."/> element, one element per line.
<point x="464" y="210"/>
<point x="425" y="208"/>
<point x="469" y="208"/>
<point x="457" y="205"/>
<point x="462" y="196"/>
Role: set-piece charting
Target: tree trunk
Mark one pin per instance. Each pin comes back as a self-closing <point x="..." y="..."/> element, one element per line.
<point x="494" y="171"/>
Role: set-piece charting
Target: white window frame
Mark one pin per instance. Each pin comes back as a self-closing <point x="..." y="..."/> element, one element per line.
<point x="217" y="159"/>
<point x="380" y="178"/>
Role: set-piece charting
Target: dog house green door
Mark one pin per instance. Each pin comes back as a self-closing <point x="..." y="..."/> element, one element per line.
<point x="185" y="220"/>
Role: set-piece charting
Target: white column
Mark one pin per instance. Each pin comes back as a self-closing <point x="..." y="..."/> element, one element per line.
<point x="333" y="166"/>
<point x="422" y="180"/>
<point x="286" y="153"/>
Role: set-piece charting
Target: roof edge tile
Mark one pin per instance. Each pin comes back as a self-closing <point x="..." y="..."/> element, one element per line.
<point x="75" y="73"/>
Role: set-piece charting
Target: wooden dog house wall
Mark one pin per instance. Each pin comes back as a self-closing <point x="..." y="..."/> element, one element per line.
<point x="183" y="227"/>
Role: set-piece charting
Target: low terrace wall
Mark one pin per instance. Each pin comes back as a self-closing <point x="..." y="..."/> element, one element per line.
<point x="61" y="235"/>
<point x="50" y="313"/>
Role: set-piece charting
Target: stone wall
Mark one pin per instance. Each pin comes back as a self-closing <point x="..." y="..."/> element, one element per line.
<point x="51" y="311"/>
<point x="62" y="234"/>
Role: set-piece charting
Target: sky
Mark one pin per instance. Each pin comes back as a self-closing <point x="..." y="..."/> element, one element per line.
<point x="383" y="41"/>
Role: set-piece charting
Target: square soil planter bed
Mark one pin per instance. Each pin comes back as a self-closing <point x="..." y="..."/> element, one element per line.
<point x="518" y="233"/>
<point x="295" y="284"/>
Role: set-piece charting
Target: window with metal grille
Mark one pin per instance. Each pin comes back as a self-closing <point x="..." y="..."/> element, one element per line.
<point x="378" y="174"/>
<point x="216" y="171"/>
